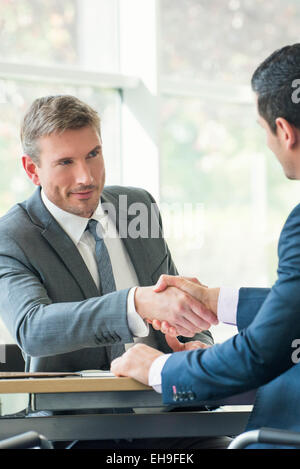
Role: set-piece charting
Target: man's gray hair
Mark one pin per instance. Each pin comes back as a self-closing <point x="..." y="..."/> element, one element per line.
<point x="54" y="114"/>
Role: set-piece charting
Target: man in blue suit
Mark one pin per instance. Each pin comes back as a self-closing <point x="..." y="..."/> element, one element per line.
<point x="264" y="353"/>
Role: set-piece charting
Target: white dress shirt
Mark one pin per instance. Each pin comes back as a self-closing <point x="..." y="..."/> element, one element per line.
<point x="123" y="270"/>
<point x="227" y="310"/>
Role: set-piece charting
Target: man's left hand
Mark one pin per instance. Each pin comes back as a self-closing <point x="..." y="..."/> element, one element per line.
<point x="135" y="363"/>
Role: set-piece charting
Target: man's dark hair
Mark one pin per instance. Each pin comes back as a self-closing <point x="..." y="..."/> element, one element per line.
<point x="272" y="82"/>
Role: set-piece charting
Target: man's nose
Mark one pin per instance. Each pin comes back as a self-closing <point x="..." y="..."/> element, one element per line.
<point x="83" y="174"/>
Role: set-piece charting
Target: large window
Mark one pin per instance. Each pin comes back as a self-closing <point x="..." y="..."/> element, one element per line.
<point x="55" y="47"/>
<point x="181" y="122"/>
<point x="212" y="150"/>
<point x="41" y="42"/>
<point x="81" y="33"/>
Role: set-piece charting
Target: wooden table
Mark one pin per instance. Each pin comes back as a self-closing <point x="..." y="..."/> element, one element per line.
<point x="69" y="384"/>
<point x="97" y="408"/>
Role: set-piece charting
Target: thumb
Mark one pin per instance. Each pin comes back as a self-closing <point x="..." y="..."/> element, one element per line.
<point x="161" y="284"/>
<point x="165" y="281"/>
<point x="174" y="343"/>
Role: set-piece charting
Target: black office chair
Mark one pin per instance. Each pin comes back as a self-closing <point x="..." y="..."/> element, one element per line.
<point x="14" y="360"/>
<point x="28" y="440"/>
<point x="266" y="435"/>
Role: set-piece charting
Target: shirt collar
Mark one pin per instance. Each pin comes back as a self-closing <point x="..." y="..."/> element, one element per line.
<point x="73" y="225"/>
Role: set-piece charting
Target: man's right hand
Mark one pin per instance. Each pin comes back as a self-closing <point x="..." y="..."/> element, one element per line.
<point x="185" y="314"/>
<point x="207" y="296"/>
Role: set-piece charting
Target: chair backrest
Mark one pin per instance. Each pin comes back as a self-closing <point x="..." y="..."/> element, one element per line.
<point x="13" y="358"/>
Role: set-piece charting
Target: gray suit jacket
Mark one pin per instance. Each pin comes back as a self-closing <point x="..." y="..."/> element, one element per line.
<point x="48" y="299"/>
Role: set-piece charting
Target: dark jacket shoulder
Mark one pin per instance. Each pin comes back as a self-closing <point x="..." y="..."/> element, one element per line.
<point x="134" y="194"/>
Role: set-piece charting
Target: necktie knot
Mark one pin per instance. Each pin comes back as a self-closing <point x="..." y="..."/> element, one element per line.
<point x="95" y="229"/>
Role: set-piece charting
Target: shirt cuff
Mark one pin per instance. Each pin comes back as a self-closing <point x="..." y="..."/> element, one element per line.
<point x="137" y="326"/>
<point x="154" y="377"/>
<point x="227" y="305"/>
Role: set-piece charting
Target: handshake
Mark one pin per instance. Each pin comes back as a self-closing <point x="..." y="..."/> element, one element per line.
<point x="178" y="305"/>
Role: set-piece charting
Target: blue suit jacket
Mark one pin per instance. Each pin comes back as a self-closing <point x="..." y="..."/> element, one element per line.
<point x="260" y="356"/>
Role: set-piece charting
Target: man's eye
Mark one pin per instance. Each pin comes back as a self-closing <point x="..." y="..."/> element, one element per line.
<point x="94" y="153"/>
<point x="65" y="162"/>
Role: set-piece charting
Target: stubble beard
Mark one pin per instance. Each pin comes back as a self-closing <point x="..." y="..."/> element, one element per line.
<point x="84" y="208"/>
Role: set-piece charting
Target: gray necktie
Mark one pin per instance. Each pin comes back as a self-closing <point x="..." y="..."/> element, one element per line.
<point x="107" y="281"/>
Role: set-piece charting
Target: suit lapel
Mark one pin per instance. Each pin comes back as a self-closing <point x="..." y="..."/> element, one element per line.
<point x="68" y="253"/>
<point x="71" y="257"/>
<point x="62" y="244"/>
<point x="142" y="260"/>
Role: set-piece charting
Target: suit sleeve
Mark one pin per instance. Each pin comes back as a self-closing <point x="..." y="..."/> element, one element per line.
<point x="261" y="351"/>
<point x="250" y="302"/>
<point x="43" y="328"/>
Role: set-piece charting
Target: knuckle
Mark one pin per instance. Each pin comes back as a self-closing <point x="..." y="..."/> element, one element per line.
<point x="181" y="309"/>
<point x="182" y="299"/>
<point x="174" y="317"/>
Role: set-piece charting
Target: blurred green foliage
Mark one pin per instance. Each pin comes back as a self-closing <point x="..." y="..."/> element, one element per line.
<point x="212" y="150"/>
<point x="223" y="40"/>
<point x="36" y="31"/>
<point x="215" y="154"/>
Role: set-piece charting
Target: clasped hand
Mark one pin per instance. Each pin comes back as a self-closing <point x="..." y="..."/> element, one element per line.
<point x="199" y="307"/>
<point x="206" y="298"/>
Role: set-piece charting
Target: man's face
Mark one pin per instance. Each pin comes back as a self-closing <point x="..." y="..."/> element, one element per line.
<point x="71" y="170"/>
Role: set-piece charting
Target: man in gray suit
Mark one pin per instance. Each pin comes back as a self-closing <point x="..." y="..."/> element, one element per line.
<point x="66" y="311"/>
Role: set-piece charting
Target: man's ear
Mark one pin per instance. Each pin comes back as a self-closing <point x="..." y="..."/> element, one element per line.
<point x="31" y="169"/>
<point x="286" y="133"/>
